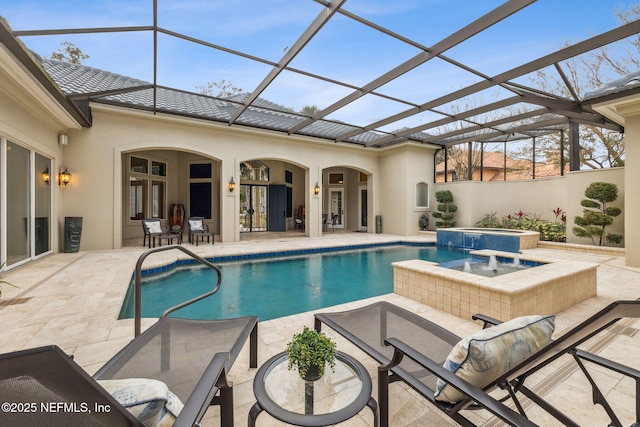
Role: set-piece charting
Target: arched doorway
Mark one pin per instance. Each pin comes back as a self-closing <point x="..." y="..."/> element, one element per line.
<point x="156" y="179"/>
<point x="271" y="195"/>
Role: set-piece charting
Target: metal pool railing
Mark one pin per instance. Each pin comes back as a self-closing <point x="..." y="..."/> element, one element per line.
<point x="138" y="284"/>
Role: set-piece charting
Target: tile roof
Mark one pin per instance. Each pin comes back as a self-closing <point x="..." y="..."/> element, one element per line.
<point x="624" y="83"/>
<point x="111" y="88"/>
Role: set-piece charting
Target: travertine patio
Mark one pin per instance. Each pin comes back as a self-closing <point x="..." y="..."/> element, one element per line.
<point x="73" y="300"/>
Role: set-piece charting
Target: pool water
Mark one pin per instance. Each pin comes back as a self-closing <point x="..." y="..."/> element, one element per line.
<point x="276" y="287"/>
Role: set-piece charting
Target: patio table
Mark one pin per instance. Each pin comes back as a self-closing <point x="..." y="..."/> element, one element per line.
<point x="341" y="393"/>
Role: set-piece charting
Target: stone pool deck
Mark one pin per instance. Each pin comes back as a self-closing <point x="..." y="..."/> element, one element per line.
<point x="73" y="300"/>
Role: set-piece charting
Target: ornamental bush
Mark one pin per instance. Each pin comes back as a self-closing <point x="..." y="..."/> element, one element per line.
<point x="446" y="209"/>
<point x="596" y="215"/>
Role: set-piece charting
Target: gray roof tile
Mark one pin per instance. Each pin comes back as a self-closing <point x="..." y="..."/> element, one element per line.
<point x="627" y="82"/>
<point x="75" y="79"/>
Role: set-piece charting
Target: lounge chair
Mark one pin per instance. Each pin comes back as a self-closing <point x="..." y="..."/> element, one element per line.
<point x="192" y="357"/>
<point x="412" y="349"/>
<point x="153" y="229"/>
<point x="198" y="230"/>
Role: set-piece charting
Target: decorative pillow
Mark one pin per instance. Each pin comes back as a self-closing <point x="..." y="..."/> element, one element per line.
<point x="153" y="227"/>
<point x="149" y="400"/>
<point x="485" y="355"/>
<point x="196" y="225"/>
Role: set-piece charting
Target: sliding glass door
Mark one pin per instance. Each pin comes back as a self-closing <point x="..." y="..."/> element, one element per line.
<point x="18" y="228"/>
<point x="27" y="220"/>
<point x="42" y="225"/>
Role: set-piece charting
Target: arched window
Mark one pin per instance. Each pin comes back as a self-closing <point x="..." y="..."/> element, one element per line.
<point x="422" y="195"/>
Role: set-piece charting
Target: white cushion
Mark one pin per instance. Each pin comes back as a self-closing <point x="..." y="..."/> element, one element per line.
<point x="196" y="225"/>
<point x="153" y="227"/>
<point x="485" y="355"/>
<point x="149" y="400"/>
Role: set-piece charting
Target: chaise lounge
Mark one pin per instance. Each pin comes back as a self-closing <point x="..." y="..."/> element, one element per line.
<point x="186" y="358"/>
<point x="412" y="349"/>
<point x="191" y="357"/>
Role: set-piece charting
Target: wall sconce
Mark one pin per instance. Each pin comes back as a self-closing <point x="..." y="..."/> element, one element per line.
<point x="316" y="189"/>
<point x="46" y="176"/>
<point x="232" y="185"/>
<point x="64" y="177"/>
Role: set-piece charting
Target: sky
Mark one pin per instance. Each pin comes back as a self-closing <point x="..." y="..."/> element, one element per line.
<point x="343" y="49"/>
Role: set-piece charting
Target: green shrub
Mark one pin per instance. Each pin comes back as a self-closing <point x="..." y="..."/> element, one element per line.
<point x="446" y="208"/>
<point x="596" y="215"/>
<point x="489" y="221"/>
<point x="549" y="231"/>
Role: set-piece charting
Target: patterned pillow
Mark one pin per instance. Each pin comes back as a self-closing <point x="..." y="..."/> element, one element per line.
<point x="153" y="227"/>
<point x="485" y="355"/>
<point x="149" y="400"/>
<point x="196" y="225"/>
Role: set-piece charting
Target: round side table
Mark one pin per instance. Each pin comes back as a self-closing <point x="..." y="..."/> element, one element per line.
<point x="340" y="394"/>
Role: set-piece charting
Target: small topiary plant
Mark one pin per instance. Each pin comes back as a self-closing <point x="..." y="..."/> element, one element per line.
<point x="597" y="215"/>
<point x="446" y="209"/>
<point x="310" y="350"/>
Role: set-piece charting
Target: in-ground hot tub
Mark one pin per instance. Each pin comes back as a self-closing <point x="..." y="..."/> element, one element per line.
<point x="498" y="239"/>
<point x="547" y="288"/>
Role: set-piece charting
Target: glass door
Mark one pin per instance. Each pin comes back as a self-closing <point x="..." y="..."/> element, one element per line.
<point x="18" y="211"/>
<point x="363" y="209"/>
<point x="42" y="206"/>
<point x="253" y="207"/>
<point x="337" y="209"/>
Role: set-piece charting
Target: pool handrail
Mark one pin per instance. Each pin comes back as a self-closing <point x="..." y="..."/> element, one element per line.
<point x="138" y="284"/>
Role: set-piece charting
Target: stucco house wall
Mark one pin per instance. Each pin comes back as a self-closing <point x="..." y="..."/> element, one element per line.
<point x="30" y="118"/>
<point x="94" y="156"/>
<point x="401" y="169"/>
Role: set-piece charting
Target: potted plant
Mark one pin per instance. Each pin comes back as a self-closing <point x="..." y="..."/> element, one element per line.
<point x="310" y="351"/>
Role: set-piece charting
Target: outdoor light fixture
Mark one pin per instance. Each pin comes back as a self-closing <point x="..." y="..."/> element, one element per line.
<point x="316" y="189"/>
<point x="232" y="185"/>
<point x="64" y="177"/>
<point x="45" y="175"/>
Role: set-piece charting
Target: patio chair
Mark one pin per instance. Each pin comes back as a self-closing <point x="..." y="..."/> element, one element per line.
<point x="192" y="357"/>
<point x="153" y="229"/>
<point x="412" y="349"/>
<point x="198" y="230"/>
<point x="334" y="221"/>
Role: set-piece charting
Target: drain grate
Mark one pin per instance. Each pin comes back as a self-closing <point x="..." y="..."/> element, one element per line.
<point x="14" y="301"/>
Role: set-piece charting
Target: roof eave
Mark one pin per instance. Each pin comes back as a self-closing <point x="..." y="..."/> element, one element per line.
<point x="15" y="56"/>
<point x="615" y="105"/>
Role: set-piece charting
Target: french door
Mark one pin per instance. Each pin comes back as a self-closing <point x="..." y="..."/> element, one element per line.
<point x="253" y="207"/>
<point x="336" y="203"/>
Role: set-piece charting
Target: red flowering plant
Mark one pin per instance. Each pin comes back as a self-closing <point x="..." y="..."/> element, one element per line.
<point x="561" y="216"/>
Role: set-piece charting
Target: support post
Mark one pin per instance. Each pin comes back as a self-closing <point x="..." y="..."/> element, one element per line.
<point x="574" y="146"/>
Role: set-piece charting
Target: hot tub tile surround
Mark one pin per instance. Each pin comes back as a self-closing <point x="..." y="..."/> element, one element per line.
<point x="546" y="289"/>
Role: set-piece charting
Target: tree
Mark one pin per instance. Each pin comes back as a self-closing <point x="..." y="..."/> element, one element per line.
<point x="596" y="214"/>
<point x="70" y="53"/>
<point x="309" y="110"/>
<point x="446" y="209"/>
<point x="220" y="89"/>
<point x="600" y="148"/>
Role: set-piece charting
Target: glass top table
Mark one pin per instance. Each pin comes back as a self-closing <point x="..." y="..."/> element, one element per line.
<point x="340" y="394"/>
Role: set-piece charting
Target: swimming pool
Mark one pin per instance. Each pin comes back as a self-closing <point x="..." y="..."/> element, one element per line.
<point x="276" y="287"/>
